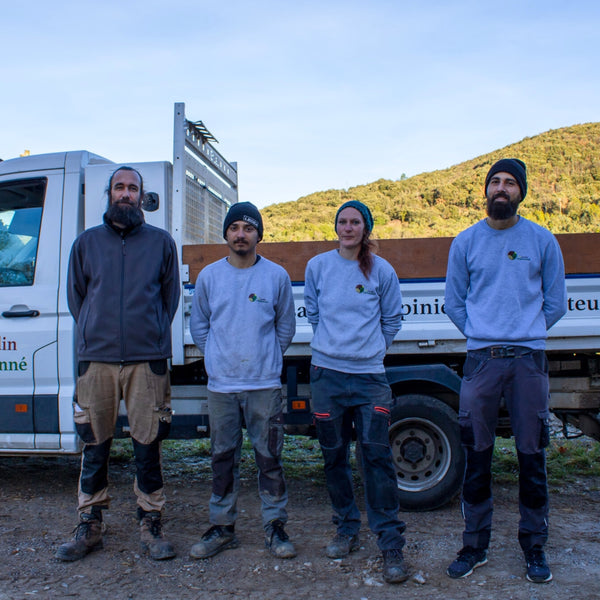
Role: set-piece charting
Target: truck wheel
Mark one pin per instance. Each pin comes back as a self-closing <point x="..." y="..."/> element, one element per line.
<point x="428" y="457"/>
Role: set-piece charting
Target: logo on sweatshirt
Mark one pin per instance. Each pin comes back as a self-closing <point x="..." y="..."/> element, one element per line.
<point x="512" y="255"/>
<point x="361" y="289"/>
<point x="256" y="298"/>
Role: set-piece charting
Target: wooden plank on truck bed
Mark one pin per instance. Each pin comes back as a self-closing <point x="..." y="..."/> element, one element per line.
<point x="413" y="258"/>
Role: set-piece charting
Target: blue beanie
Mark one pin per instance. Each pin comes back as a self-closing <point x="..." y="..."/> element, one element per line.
<point x="244" y="211"/>
<point x="515" y="167"/>
<point x="363" y="209"/>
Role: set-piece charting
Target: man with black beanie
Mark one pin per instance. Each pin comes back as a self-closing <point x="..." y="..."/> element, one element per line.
<point x="243" y="320"/>
<point x="505" y="287"/>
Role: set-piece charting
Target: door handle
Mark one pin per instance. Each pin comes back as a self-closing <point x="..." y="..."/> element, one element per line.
<point x="20" y="310"/>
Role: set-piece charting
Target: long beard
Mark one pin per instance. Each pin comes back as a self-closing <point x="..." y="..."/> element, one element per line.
<point x="500" y="211"/>
<point x="126" y="215"/>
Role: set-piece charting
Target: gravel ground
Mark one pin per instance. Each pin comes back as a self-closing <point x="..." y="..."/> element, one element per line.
<point x="37" y="499"/>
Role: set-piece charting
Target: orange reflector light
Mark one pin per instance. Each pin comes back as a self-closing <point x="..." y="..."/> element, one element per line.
<point x="21" y="408"/>
<point x="299" y="404"/>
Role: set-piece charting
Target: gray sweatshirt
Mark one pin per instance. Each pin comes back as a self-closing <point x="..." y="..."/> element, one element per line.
<point x="505" y="286"/>
<point x="354" y="319"/>
<point x="243" y="320"/>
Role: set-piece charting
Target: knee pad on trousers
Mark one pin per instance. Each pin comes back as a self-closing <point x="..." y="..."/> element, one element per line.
<point x="147" y="462"/>
<point x="478" y="476"/>
<point x="94" y="467"/>
<point x="270" y="477"/>
<point x="533" y="490"/>
<point x="222" y="468"/>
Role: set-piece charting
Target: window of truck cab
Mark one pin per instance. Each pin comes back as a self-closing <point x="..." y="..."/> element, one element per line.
<point x="21" y="205"/>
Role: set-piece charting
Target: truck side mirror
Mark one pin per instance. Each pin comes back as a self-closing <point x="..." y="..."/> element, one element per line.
<point x="150" y="202"/>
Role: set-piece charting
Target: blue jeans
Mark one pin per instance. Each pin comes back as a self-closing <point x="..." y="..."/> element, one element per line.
<point x="522" y="381"/>
<point x="339" y="401"/>
<point x="261" y="410"/>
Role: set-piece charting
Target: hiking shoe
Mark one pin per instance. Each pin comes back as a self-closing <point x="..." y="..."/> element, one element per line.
<point x="87" y="538"/>
<point x="341" y="545"/>
<point x="278" y="542"/>
<point x="214" y="540"/>
<point x="394" y="567"/>
<point x="538" y="570"/>
<point x="468" y="558"/>
<point x="152" y="538"/>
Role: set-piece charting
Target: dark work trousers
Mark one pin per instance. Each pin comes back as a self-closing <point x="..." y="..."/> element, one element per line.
<point x="518" y="375"/>
<point x="339" y="400"/>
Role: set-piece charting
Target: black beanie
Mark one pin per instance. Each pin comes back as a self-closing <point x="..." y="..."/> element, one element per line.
<point x="244" y="211"/>
<point x="515" y="167"/>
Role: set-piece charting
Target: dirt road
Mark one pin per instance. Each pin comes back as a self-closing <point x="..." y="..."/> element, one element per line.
<point x="37" y="513"/>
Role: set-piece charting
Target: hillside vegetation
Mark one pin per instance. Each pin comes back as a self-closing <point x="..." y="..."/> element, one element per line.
<point x="564" y="194"/>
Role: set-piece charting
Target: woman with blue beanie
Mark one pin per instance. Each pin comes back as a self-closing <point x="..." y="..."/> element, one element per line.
<point x="354" y="305"/>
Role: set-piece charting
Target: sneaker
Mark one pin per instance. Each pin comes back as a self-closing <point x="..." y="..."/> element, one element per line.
<point x="468" y="558"/>
<point x="538" y="570"/>
<point x="278" y="542"/>
<point x="341" y="545"/>
<point x="394" y="567"/>
<point x="152" y="538"/>
<point x="215" y="540"/>
<point x="87" y="538"/>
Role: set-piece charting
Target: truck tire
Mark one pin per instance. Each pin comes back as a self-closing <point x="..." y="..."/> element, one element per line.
<point x="428" y="457"/>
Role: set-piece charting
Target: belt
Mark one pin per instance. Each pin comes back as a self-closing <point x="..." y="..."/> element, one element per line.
<point x="505" y="351"/>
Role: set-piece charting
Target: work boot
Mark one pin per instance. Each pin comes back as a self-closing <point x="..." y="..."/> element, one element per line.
<point x="277" y="541"/>
<point x="151" y="536"/>
<point x="394" y="567"/>
<point x="538" y="570"/>
<point x="214" y="540"/>
<point x="468" y="559"/>
<point x="341" y="545"/>
<point x="87" y="538"/>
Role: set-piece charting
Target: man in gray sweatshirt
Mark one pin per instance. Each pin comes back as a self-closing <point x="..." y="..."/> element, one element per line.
<point x="505" y="287"/>
<point x="243" y="320"/>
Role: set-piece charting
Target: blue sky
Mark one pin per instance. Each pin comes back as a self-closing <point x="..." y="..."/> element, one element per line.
<point x="304" y="95"/>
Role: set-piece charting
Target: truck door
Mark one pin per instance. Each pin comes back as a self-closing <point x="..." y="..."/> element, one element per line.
<point x="30" y="211"/>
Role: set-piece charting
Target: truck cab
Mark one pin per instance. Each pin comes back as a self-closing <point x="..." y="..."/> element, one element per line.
<point x="41" y="200"/>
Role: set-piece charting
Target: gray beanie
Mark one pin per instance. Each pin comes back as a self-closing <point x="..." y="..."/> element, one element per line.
<point x="515" y="167"/>
<point x="244" y="211"/>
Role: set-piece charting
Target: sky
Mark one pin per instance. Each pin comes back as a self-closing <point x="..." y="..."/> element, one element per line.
<point x="306" y="95"/>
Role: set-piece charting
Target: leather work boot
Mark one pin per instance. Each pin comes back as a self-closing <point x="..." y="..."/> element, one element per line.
<point x="87" y="538"/>
<point x="278" y="542"/>
<point x="394" y="567"/>
<point x="341" y="545"/>
<point x="214" y="540"/>
<point x="151" y="536"/>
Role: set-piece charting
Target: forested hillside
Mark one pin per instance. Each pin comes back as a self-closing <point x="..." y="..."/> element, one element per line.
<point x="564" y="194"/>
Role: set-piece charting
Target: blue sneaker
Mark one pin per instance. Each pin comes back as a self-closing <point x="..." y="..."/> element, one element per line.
<point x="468" y="558"/>
<point x="538" y="570"/>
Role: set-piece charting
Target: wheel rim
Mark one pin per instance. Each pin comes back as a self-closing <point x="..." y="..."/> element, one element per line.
<point x="421" y="452"/>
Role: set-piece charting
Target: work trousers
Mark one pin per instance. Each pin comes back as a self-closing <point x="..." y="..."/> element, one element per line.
<point x="519" y="377"/>
<point x="261" y="412"/>
<point x="146" y="391"/>
<point x="341" y="400"/>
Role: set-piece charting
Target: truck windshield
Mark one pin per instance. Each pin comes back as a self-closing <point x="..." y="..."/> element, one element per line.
<point x="21" y="204"/>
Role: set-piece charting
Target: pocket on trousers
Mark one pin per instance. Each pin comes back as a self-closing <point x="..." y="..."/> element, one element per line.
<point x="540" y="360"/>
<point x="158" y="367"/>
<point x="276" y="435"/>
<point x="83" y="426"/>
<point x="467" y="436"/>
<point x="544" y="417"/>
<point x="315" y="373"/>
<point x="82" y="367"/>
<point x="473" y="364"/>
